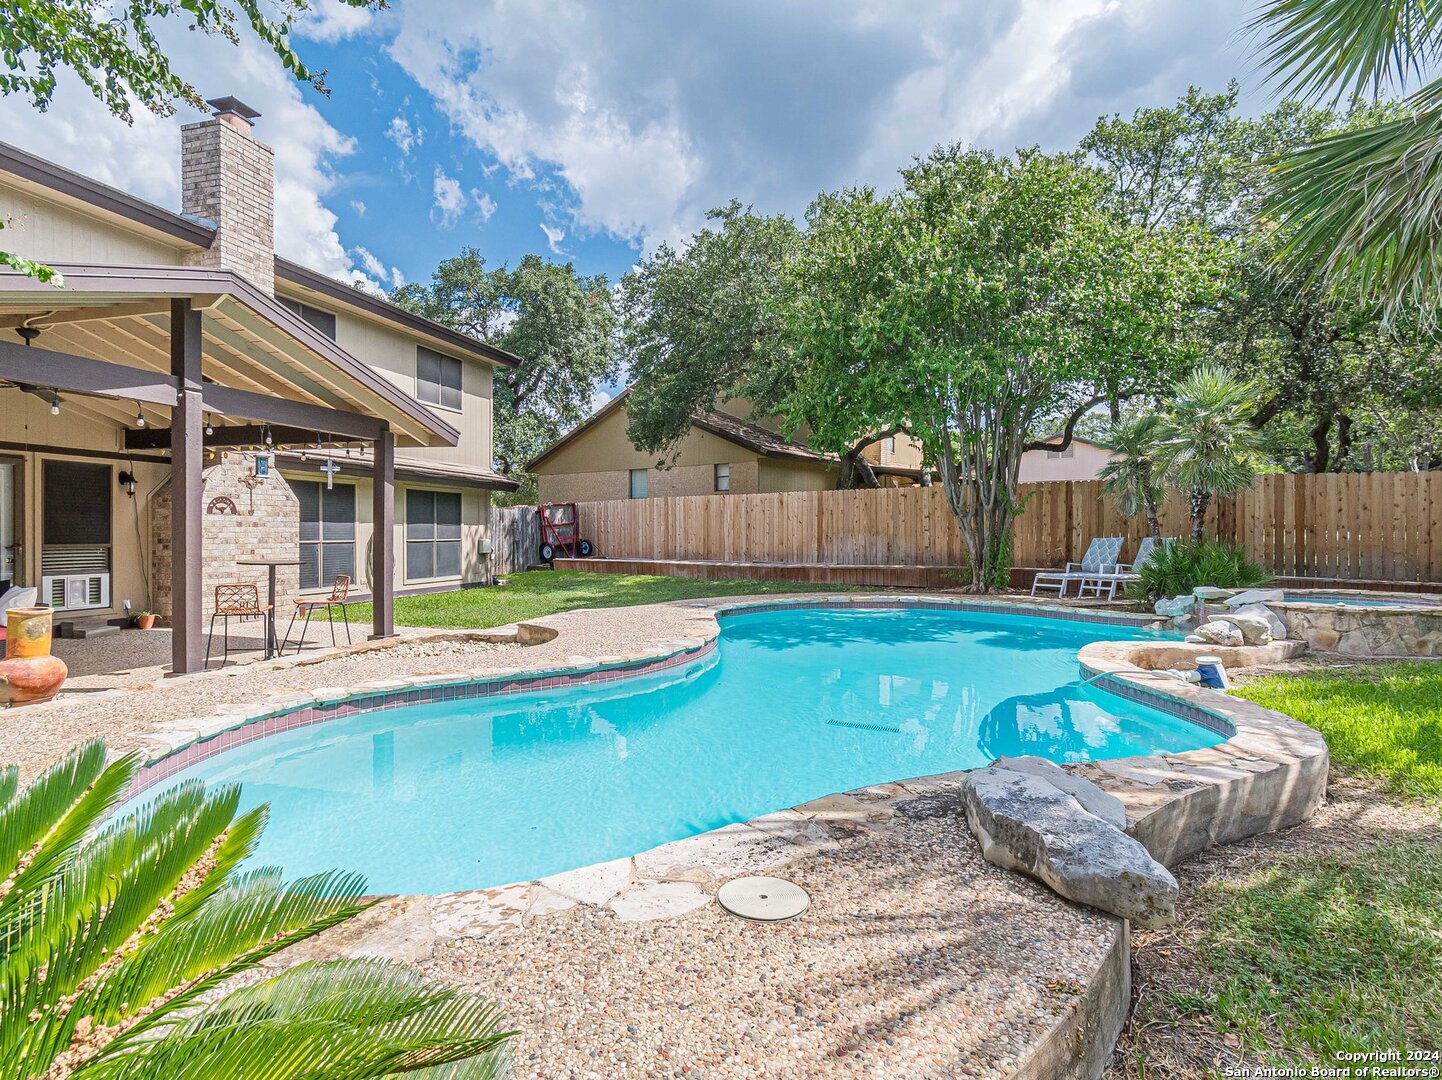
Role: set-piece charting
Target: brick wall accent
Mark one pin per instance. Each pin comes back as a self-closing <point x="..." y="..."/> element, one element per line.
<point x="228" y="178"/>
<point x="266" y="524"/>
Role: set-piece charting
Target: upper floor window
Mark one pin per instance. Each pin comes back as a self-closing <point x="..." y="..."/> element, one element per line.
<point x="438" y="378"/>
<point x="1070" y="451"/>
<point x="723" y="476"/>
<point x="323" y="321"/>
<point x="639" y="485"/>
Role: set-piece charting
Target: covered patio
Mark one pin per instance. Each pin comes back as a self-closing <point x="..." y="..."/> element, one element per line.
<point x="167" y="364"/>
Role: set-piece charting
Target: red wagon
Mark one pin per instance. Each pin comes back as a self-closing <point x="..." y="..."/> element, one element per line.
<point x="561" y="532"/>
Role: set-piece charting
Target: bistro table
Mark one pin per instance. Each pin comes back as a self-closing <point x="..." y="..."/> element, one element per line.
<point x="270" y="565"/>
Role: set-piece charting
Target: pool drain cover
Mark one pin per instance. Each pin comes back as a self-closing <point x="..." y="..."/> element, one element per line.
<point x="763" y="899"/>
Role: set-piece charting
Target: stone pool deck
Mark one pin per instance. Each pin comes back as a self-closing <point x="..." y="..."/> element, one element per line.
<point x="916" y="958"/>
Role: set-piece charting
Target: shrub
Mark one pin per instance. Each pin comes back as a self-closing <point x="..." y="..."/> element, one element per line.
<point x="1181" y="567"/>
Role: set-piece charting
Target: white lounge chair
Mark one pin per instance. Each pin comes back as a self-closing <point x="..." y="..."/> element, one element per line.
<point x="1100" y="558"/>
<point x="1107" y="584"/>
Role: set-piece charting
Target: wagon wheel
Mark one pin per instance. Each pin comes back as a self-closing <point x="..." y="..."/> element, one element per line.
<point x="584" y="549"/>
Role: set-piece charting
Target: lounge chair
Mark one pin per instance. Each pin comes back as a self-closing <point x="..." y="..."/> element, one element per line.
<point x="1106" y="584"/>
<point x="1101" y="558"/>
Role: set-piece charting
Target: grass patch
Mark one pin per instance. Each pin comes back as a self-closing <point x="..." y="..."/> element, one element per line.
<point x="1312" y="956"/>
<point x="1382" y="720"/>
<point x="533" y="593"/>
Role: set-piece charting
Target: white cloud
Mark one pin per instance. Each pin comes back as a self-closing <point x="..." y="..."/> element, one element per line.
<point x="599" y="399"/>
<point x="330" y="21"/>
<point x="359" y="206"/>
<point x="400" y="132"/>
<point x="644" y="123"/>
<point x="554" y="237"/>
<point x="144" y="158"/>
<point x="450" y="200"/>
<point x="484" y="204"/>
<point x="378" y="270"/>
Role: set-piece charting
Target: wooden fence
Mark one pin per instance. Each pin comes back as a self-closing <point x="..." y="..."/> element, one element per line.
<point x="1357" y="526"/>
<point x="515" y="538"/>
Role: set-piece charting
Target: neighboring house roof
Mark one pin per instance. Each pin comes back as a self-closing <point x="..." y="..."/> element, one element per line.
<point x="114" y="202"/>
<point x="748" y="436"/>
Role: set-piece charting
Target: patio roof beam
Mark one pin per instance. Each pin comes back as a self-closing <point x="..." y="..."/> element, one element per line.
<point x="297" y="414"/>
<point x="30" y="365"/>
<point x="221" y="435"/>
<point x="77" y="315"/>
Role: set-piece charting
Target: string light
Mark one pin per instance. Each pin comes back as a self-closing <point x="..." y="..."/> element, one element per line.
<point x="139" y="416"/>
<point x="209" y="428"/>
<point x="55" y="405"/>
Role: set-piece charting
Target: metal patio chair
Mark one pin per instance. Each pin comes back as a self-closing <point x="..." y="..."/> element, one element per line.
<point x="236" y="601"/>
<point x="339" y="591"/>
<point x="1100" y="558"/>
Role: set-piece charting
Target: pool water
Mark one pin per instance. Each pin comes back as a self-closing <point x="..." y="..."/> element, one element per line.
<point x="1353" y="600"/>
<point x="792" y="705"/>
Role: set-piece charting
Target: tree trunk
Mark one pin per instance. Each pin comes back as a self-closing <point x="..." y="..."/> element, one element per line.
<point x="1154" y="522"/>
<point x="1320" y="456"/>
<point x="1344" y="441"/>
<point x="1199" y="502"/>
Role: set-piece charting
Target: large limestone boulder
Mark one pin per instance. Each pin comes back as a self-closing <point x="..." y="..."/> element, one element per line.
<point x="1024" y="822"/>
<point x="1175" y="607"/>
<point x="1262" y="611"/>
<point x="1255" y="596"/>
<point x="1218" y="632"/>
<point x="1256" y="629"/>
<point x="1092" y="798"/>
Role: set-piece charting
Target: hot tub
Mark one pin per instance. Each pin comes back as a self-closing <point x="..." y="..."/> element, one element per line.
<point x="1365" y="624"/>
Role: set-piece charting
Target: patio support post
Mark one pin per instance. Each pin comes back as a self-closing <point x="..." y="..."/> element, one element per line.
<point x="383" y="521"/>
<point x="185" y="489"/>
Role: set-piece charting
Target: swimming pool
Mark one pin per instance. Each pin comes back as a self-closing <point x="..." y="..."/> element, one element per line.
<point x="1361" y="599"/>
<point x="791" y="706"/>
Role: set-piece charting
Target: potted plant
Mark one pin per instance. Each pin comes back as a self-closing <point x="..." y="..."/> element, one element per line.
<point x="145" y="619"/>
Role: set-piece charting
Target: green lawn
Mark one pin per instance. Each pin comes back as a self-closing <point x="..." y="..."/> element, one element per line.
<point x="1381" y="720"/>
<point x="533" y="593"/>
<point x="1327" y="938"/>
<point x="1311" y="955"/>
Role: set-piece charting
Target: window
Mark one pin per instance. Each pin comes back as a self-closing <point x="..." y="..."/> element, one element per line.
<point x="638" y="484"/>
<point x="327" y="532"/>
<point x="1070" y="451"/>
<point x="438" y="378"/>
<point x="323" y="321"/>
<point x="76" y="499"/>
<point x="433" y="534"/>
<point x="723" y="476"/>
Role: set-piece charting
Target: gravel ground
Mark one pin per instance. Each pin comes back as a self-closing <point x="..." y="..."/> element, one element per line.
<point x="916" y="959"/>
<point x="129" y="699"/>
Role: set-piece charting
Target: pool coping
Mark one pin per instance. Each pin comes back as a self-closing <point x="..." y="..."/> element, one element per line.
<point x="1268" y="773"/>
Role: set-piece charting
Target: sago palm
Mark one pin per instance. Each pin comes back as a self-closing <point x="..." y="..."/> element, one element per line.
<point x="120" y="938"/>
<point x="1135" y="473"/>
<point x="1364" y="203"/>
<point x="1206" y="441"/>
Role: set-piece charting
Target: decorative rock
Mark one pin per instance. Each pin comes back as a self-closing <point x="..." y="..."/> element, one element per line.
<point x="1176" y="607"/>
<point x="1255" y="629"/>
<point x="1024" y="823"/>
<point x="1218" y="632"/>
<point x="1092" y="798"/>
<point x="592" y="884"/>
<point x="1255" y="596"/>
<point x="1262" y="611"/>
<point x="658" y="900"/>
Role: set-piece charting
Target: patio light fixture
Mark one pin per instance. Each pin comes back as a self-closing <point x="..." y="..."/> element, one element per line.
<point x="139" y="415"/>
<point x="127" y="481"/>
<point x="54" y="403"/>
<point x="209" y="427"/>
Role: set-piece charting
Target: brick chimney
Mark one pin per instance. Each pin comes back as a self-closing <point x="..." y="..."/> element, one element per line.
<point x="228" y="179"/>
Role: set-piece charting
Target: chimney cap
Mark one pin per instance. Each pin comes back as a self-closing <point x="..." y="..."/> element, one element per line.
<point x="234" y="106"/>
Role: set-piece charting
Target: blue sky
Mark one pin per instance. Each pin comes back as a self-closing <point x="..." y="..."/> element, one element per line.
<point x="595" y="131"/>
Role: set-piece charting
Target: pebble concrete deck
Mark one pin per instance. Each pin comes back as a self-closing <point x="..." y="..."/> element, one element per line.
<point x="916" y="959"/>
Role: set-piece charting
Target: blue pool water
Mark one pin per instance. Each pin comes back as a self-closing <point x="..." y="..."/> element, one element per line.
<point x="1353" y="600"/>
<point x="791" y="706"/>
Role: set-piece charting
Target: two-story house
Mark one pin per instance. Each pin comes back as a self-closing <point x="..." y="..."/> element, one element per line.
<point x="188" y="399"/>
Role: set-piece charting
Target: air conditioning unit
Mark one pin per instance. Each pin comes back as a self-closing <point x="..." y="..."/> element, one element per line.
<point x="76" y="592"/>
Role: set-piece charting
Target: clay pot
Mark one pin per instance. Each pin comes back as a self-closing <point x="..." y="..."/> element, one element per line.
<point x="29" y="674"/>
<point x="145" y="622"/>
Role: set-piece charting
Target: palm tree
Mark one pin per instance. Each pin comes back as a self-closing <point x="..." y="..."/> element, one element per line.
<point x="1206" y="442"/>
<point x="1362" y="203"/>
<point x="1135" y="474"/>
<point x="118" y="938"/>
